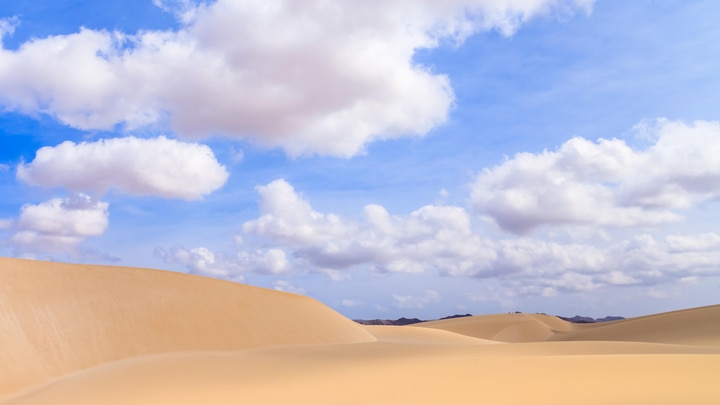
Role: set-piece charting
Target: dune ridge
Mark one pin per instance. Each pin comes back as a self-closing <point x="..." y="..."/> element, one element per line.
<point x="59" y="318"/>
<point x="694" y="326"/>
<point x="509" y="328"/>
<point x="80" y="334"/>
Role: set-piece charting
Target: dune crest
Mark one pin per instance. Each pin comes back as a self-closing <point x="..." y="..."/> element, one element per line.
<point x="58" y="318"/>
<point x="694" y="326"/>
<point x="510" y="328"/>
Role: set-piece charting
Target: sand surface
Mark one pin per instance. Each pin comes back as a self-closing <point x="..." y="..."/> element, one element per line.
<point x="75" y="334"/>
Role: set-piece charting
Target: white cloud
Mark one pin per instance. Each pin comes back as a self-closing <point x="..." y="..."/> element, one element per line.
<point x="270" y="261"/>
<point x="409" y="301"/>
<point x="525" y="257"/>
<point x="641" y="260"/>
<point x="4" y="167"/>
<point x="59" y="225"/>
<point x="201" y="260"/>
<point x="693" y="243"/>
<point x="604" y="183"/>
<point x="680" y="170"/>
<point x="441" y="239"/>
<point x="432" y="237"/>
<point x="7" y="26"/>
<point x="287" y="216"/>
<point x="159" y="167"/>
<point x="308" y="76"/>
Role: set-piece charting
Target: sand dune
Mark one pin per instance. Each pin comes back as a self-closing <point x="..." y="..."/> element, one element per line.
<point x="400" y="373"/>
<point x="696" y="326"/>
<point x="108" y="335"/>
<point x="58" y="318"/>
<point x="504" y="327"/>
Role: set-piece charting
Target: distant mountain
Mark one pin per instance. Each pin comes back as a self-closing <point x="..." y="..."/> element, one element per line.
<point x="609" y="319"/>
<point x="396" y="322"/>
<point x="587" y="319"/>
<point x="578" y="319"/>
<point x="455" y="316"/>
<point x="410" y="321"/>
<point x="403" y="321"/>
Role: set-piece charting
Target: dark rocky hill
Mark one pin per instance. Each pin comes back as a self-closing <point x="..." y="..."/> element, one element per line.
<point x="410" y="321"/>
<point x="396" y="322"/>
<point x="587" y="319"/>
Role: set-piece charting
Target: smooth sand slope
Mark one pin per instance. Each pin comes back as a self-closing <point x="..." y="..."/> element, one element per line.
<point x="58" y="318"/>
<point x="102" y="335"/>
<point x="504" y="327"/>
<point x="696" y="326"/>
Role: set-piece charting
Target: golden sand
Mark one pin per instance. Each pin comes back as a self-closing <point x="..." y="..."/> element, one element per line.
<point x="77" y="334"/>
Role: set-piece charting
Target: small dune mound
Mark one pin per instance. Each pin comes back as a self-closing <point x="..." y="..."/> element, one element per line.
<point x="695" y="326"/>
<point x="57" y="318"/>
<point x="504" y="327"/>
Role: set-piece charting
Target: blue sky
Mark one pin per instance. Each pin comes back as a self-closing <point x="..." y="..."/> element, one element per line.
<point x="390" y="159"/>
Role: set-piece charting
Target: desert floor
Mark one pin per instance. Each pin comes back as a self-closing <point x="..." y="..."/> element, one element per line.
<point x="81" y="334"/>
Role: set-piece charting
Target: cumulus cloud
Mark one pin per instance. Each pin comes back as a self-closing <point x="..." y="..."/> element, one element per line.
<point x="60" y="224"/>
<point x="442" y="239"/>
<point x="680" y="170"/>
<point x="432" y="237"/>
<point x="203" y="261"/>
<point x="159" y="167"/>
<point x="309" y="76"/>
<point x="290" y="236"/>
<point x="289" y="217"/>
<point x="605" y="183"/>
<point x="270" y="261"/>
<point x="643" y="260"/>
<point x="200" y="260"/>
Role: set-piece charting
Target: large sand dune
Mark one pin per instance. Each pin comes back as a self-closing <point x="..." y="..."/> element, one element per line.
<point x="696" y="326"/>
<point x="504" y="327"/>
<point x="58" y="318"/>
<point x="108" y="335"/>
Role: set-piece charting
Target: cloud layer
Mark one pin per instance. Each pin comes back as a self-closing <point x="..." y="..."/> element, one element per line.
<point x="312" y="77"/>
<point x="604" y="183"/>
<point x="202" y="260"/>
<point x="432" y="237"/>
<point x="595" y="202"/>
<point x="158" y="167"/>
<point x="443" y="240"/>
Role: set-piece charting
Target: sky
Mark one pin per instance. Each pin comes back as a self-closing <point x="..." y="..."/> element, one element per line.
<point x="389" y="158"/>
